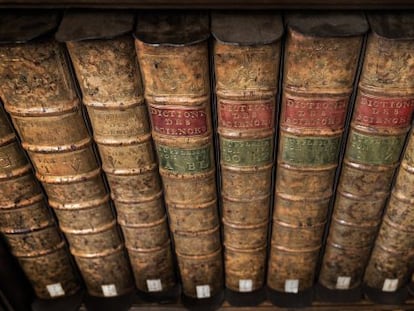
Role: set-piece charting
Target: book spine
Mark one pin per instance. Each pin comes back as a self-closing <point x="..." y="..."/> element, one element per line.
<point x="318" y="78"/>
<point x="246" y="87"/>
<point x="28" y="225"/>
<point x="113" y="95"/>
<point x="378" y="130"/>
<point x="391" y="262"/>
<point x="176" y="81"/>
<point x="39" y="94"/>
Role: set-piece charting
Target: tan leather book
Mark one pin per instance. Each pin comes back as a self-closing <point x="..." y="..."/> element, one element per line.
<point x="379" y="126"/>
<point x="173" y="57"/>
<point x="38" y="92"/>
<point x="101" y="47"/>
<point x="391" y="77"/>
<point x="321" y="57"/>
<point x="246" y="65"/>
<point x="27" y="224"/>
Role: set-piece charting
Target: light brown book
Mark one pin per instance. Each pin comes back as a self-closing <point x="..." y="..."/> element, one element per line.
<point x="173" y="56"/>
<point x="246" y="65"/>
<point x="379" y="126"/>
<point x="28" y="225"/>
<point x="392" y="80"/>
<point x="320" y="63"/>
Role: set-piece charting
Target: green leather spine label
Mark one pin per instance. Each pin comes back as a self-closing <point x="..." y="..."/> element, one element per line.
<point x="180" y="160"/>
<point x="369" y="149"/>
<point x="246" y="152"/>
<point x="309" y="151"/>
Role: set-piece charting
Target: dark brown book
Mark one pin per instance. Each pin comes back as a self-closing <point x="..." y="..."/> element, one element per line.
<point x="113" y="95"/>
<point x="38" y="92"/>
<point x="173" y="56"/>
<point x="321" y="58"/>
<point x="246" y="65"/>
<point x="379" y="126"/>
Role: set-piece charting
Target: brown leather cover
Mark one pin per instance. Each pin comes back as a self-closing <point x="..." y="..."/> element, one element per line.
<point x="246" y="70"/>
<point x="27" y="223"/>
<point x="379" y="126"/>
<point x="113" y="95"/>
<point x="321" y="58"/>
<point x="40" y="96"/>
<point x="173" y="57"/>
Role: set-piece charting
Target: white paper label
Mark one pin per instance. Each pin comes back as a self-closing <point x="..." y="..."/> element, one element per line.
<point x="203" y="291"/>
<point x="343" y="282"/>
<point x="390" y="285"/>
<point x="55" y="290"/>
<point x="154" y="285"/>
<point x="109" y="290"/>
<point x="245" y="286"/>
<point x="291" y="286"/>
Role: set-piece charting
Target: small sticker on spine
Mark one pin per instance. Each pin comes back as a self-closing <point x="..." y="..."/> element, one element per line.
<point x="55" y="290"/>
<point x="109" y="290"/>
<point x="154" y="285"/>
<point x="390" y="285"/>
<point x="292" y="286"/>
<point x="245" y="286"/>
<point x="203" y="291"/>
<point x="343" y="282"/>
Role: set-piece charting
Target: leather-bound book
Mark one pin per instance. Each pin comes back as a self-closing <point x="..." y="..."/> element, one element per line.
<point x="246" y="65"/>
<point x="101" y="47"/>
<point x="27" y="224"/>
<point x="321" y="58"/>
<point x="173" y="57"/>
<point x="390" y="82"/>
<point x="379" y="126"/>
<point x="38" y="92"/>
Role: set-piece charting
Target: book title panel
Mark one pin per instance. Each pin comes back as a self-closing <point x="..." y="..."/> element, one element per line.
<point x="377" y="150"/>
<point x="309" y="151"/>
<point x="179" y="121"/>
<point x="246" y="152"/>
<point x="387" y="112"/>
<point x="180" y="160"/>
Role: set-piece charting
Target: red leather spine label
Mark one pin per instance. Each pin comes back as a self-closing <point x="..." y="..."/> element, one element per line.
<point x="387" y="112"/>
<point x="246" y="115"/>
<point x="179" y="121"/>
<point x="314" y="113"/>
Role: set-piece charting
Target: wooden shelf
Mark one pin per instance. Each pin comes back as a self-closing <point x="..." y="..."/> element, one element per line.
<point x="319" y="306"/>
<point x="211" y="4"/>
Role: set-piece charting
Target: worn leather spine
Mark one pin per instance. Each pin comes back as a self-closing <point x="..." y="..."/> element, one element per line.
<point x="378" y="130"/>
<point x="48" y="117"/>
<point x="173" y="57"/>
<point x="27" y="223"/>
<point x="113" y="95"/>
<point x="246" y="82"/>
<point x="390" y="265"/>
<point x="319" y="72"/>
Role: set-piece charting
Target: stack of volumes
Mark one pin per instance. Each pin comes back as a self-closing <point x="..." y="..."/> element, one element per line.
<point x="112" y="93"/>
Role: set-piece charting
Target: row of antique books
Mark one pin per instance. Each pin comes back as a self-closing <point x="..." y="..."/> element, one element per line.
<point x="236" y="150"/>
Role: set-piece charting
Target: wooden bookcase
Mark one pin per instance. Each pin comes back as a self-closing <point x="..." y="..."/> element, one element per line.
<point x="229" y="5"/>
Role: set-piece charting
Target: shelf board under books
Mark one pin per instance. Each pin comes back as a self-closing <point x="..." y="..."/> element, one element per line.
<point x="212" y="4"/>
<point x="317" y="306"/>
